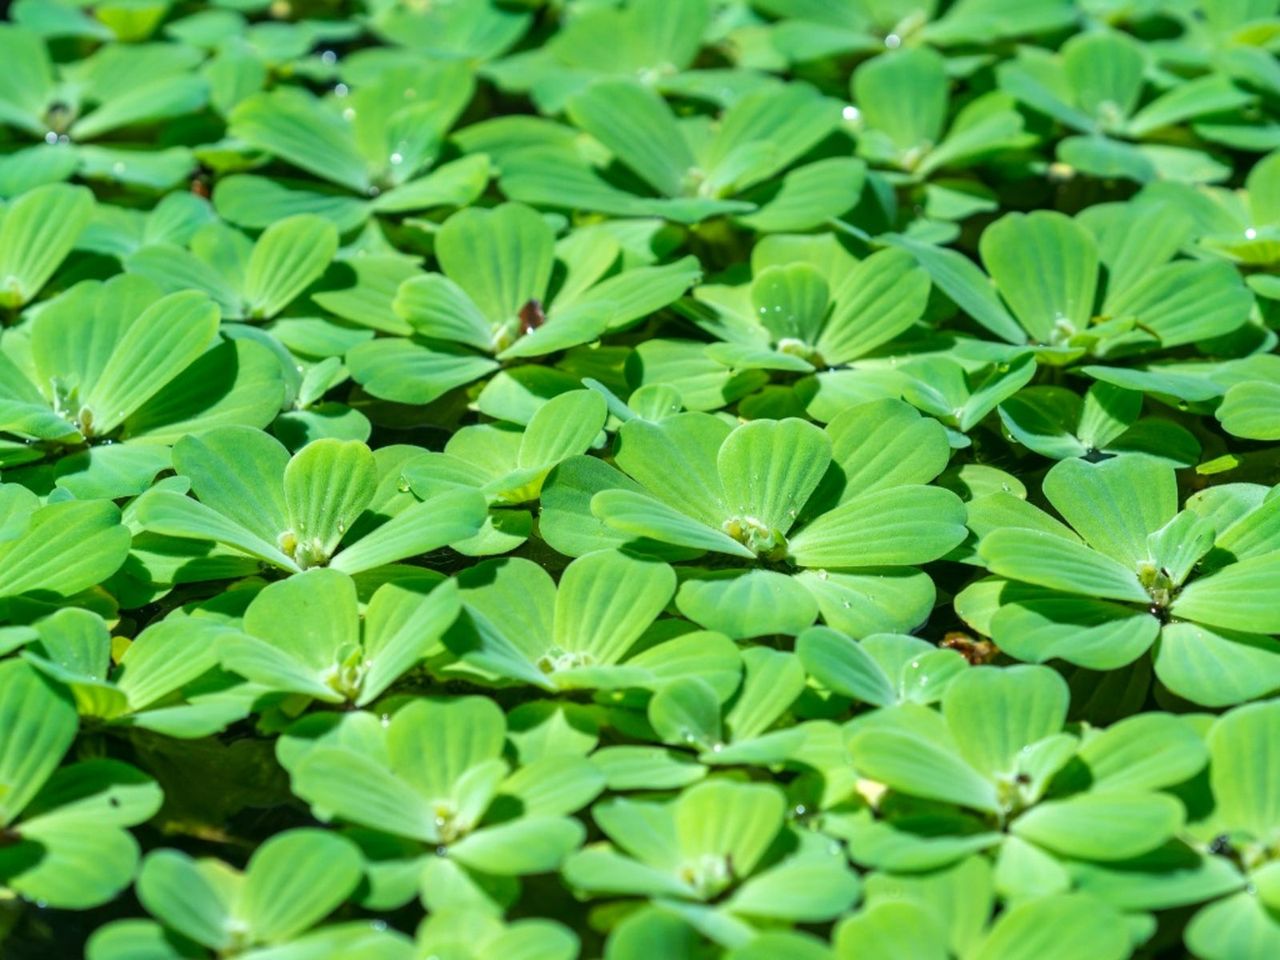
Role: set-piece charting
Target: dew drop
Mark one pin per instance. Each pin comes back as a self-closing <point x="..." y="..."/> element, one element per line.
<point x="893" y="41"/>
<point x="51" y="138"/>
<point x="349" y="114"/>
<point x="341" y="89"/>
<point x="1251" y="234"/>
<point x="851" y="113"/>
<point x="329" y="57"/>
<point x="397" y="159"/>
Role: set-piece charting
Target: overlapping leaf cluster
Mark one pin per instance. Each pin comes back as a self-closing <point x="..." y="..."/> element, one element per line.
<point x="723" y="479"/>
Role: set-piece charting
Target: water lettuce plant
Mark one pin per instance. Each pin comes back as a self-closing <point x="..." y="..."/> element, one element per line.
<point x="1115" y="582"/>
<point x="633" y="479"/>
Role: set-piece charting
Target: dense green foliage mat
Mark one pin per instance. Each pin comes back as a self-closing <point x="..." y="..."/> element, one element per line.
<point x="640" y="479"/>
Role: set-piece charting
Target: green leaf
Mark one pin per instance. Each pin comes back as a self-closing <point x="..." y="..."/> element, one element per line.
<point x="239" y="472"/>
<point x="26" y="88"/>
<point x="135" y="940"/>
<point x="800" y="890"/>
<point x="971" y="290"/>
<point x="686" y="712"/>
<point x="66" y="547"/>
<point x="637" y="126"/>
<point x="995" y="714"/>
<point x="1143" y="752"/>
<point x="772" y="683"/>
<point x="885" y="930"/>
<point x="257" y="202"/>
<point x="763" y="132"/>
<point x="882" y="296"/>
<point x="1050" y="561"/>
<point x="1216" y="668"/>
<point x="768" y="469"/>
<point x="173" y="515"/>
<point x="72" y="862"/>
<point x="437" y="307"/>
<point x="160" y="100"/>
<point x="606" y="600"/>
<point x="327" y="485"/>
<point x="294" y="880"/>
<point x="1102" y="502"/>
<point x="844" y="667"/>
<point x="401" y="626"/>
<point x="453" y="184"/>
<point x="501" y="258"/>
<point x="423" y="527"/>
<point x="1105" y="72"/>
<point x="1244" y="753"/>
<point x="1234" y="598"/>
<point x="288" y="257"/>
<point x="1183" y="303"/>
<point x="1097" y="634"/>
<point x="791" y="301"/>
<point x="37" y="231"/>
<point x="309" y="618"/>
<point x="193" y="897"/>
<point x="527" y="845"/>
<point x="652" y="933"/>
<point x="899" y="526"/>
<point x="1171" y="876"/>
<point x="1062" y="927"/>
<point x="564" y="426"/>
<point x="291" y="124"/>
<point x="639" y="515"/>
<point x="1236" y="926"/>
<point x="921" y="768"/>
<point x="39" y="723"/>
<point x="675" y="461"/>
<point x="735" y="822"/>
<point x="1102" y="826"/>
<point x="1046" y="267"/>
<point x="903" y="97"/>
<point x="886" y="443"/>
<point x="156" y="348"/>
<point x="236" y="382"/>
<point x="414" y="371"/>
<point x="809" y="195"/>
<point x="1248" y="410"/>
<point x="356" y="788"/>
<point x="872" y="600"/>
<point x="747" y="604"/>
